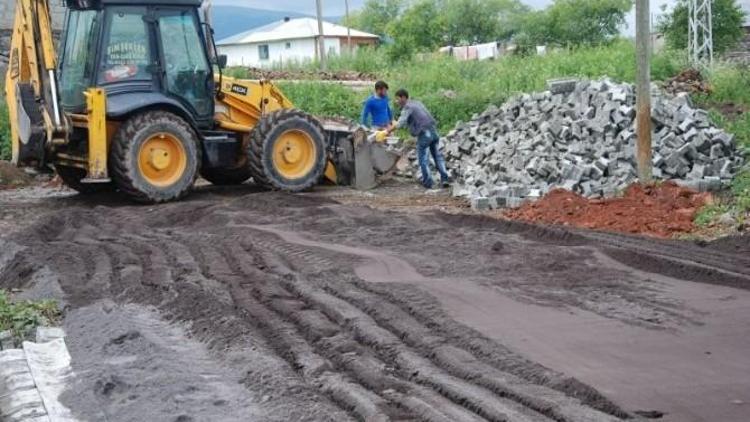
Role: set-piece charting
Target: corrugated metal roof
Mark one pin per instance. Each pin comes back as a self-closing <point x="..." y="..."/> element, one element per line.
<point x="291" y="29"/>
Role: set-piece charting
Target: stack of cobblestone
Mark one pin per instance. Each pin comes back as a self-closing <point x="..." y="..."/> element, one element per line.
<point x="581" y="136"/>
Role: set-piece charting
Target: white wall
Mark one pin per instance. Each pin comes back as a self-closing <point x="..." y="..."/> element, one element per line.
<point x="299" y="50"/>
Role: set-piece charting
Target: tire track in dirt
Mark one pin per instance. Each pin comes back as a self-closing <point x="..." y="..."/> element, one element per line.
<point x="363" y="330"/>
<point x="204" y="269"/>
<point x="207" y="264"/>
<point x="385" y="314"/>
<point x="375" y="351"/>
<point x="357" y="384"/>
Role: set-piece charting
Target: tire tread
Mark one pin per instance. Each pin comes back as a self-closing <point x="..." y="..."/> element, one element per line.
<point x="122" y="148"/>
<point x="263" y="175"/>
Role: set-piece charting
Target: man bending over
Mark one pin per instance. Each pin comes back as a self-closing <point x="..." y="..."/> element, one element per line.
<point x="422" y="125"/>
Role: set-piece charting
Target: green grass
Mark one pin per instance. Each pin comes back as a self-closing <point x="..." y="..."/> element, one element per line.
<point x="23" y="316"/>
<point x="709" y="214"/>
<point x="4" y="130"/>
<point x="731" y="85"/>
<point x="455" y="90"/>
<point x="741" y="192"/>
<point x="323" y="99"/>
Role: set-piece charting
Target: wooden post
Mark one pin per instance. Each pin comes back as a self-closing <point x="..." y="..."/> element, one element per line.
<point x="643" y="90"/>
<point x="321" y="37"/>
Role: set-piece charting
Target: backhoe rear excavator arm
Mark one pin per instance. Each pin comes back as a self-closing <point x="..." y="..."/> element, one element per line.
<point x="31" y="85"/>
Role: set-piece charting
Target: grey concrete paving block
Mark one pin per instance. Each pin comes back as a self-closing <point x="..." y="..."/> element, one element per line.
<point x="480" y="203"/>
<point x="561" y="86"/>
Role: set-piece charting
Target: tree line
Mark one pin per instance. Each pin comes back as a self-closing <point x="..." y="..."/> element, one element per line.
<point x="411" y="26"/>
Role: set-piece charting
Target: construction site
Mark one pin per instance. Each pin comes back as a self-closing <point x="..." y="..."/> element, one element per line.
<point x="204" y="249"/>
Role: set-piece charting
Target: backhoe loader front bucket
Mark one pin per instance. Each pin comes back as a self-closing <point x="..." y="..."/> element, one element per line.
<point x="357" y="160"/>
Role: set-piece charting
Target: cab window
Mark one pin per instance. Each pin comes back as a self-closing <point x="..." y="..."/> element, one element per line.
<point x="187" y="71"/>
<point x="78" y="57"/>
<point x="126" y="53"/>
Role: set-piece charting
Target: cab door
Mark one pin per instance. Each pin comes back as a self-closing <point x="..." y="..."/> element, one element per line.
<point x="187" y="74"/>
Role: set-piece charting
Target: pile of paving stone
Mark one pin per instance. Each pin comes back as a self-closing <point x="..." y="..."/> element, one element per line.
<point x="580" y="135"/>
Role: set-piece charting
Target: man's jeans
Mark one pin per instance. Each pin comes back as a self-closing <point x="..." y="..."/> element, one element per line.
<point x="428" y="142"/>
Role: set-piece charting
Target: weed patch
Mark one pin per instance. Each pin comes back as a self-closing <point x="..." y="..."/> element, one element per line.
<point x="23" y="316"/>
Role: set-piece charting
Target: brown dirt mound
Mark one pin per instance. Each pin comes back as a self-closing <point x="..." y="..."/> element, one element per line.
<point x="689" y="80"/>
<point x="12" y="176"/>
<point x="658" y="210"/>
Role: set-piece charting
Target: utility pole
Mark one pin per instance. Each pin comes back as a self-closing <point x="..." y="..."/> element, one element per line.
<point x="321" y="37"/>
<point x="348" y="28"/>
<point x="643" y="89"/>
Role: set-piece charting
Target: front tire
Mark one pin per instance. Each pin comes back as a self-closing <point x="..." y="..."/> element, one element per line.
<point x="287" y="151"/>
<point x="155" y="157"/>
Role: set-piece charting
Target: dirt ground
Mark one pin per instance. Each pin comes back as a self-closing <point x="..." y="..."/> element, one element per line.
<point x="395" y="304"/>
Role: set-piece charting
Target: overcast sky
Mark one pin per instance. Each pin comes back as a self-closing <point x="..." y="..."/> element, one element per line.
<point x="336" y="7"/>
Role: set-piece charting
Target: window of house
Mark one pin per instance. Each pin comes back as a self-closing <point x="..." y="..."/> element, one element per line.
<point x="288" y="45"/>
<point x="263" y="52"/>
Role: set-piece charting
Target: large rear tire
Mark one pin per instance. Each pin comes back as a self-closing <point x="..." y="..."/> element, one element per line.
<point x="72" y="177"/>
<point x="287" y="151"/>
<point x="155" y="157"/>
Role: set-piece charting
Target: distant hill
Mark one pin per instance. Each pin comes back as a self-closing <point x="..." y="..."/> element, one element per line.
<point x="231" y="20"/>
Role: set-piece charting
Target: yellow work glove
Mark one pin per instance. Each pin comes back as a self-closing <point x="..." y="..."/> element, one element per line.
<point x="381" y="135"/>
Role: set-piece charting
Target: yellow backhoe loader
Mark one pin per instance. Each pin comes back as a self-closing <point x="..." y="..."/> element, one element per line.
<point x="136" y="101"/>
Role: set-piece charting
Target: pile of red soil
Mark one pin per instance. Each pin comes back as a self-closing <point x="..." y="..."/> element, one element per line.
<point x="655" y="210"/>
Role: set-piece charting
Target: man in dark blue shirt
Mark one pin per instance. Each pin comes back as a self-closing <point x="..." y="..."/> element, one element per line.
<point x="376" y="112"/>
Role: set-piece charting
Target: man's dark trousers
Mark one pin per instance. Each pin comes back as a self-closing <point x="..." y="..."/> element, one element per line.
<point x="428" y="142"/>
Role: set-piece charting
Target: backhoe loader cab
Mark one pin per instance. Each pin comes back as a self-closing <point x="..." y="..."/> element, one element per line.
<point x="135" y="101"/>
<point x="142" y="53"/>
